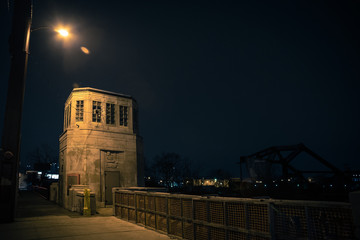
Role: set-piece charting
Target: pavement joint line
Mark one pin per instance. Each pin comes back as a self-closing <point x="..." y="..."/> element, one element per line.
<point x="79" y="235"/>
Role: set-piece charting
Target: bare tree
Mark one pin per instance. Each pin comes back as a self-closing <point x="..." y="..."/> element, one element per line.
<point x="166" y="167"/>
<point x="42" y="157"/>
<point x="172" y="168"/>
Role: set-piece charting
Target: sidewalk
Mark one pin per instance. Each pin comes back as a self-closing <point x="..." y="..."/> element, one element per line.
<point x="38" y="218"/>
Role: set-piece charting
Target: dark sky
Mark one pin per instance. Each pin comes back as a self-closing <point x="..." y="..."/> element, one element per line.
<point x="214" y="80"/>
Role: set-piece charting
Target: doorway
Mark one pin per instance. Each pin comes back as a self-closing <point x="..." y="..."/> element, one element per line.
<point x="112" y="179"/>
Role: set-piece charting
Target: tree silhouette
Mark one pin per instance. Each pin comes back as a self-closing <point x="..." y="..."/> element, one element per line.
<point x="42" y="157"/>
<point x="171" y="168"/>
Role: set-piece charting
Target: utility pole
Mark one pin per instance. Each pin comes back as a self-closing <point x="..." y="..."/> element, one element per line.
<point x="10" y="149"/>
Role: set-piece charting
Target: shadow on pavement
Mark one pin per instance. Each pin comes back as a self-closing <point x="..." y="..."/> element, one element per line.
<point x="31" y="204"/>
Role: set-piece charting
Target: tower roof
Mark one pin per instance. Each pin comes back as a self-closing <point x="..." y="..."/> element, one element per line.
<point x="100" y="91"/>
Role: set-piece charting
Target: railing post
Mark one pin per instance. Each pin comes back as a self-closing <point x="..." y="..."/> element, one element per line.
<point x="182" y="217"/>
<point x="156" y="212"/>
<point x="354" y="198"/>
<point x="135" y="205"/>
<point x="193" y="217"/>
<point x="271" y="220"/>
<point x="310" y="226"/>
<point x="145" y="207"/>
<point x="225" y="220"/>
<point x="167" y="215"/>
<point x="247" y="225"/>
<point x="208" y="217"/>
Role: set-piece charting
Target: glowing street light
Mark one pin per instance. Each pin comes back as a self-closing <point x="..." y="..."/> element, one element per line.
<point x="62" y="32"/>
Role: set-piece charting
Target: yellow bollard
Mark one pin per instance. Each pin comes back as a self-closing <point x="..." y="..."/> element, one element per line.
<point x="87" y="209"/>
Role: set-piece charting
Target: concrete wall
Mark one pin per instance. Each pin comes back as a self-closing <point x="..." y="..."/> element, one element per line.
<point x="90" y="149"/>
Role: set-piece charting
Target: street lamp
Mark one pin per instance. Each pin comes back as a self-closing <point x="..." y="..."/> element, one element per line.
<point x="63" y="32"/>
<point x="10" y="149"/>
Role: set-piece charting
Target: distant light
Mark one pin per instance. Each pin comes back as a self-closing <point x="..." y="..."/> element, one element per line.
<point x="330" y="185"/>
<point x="255" y="185"/>
<point x="298" y="185"/>
<point x="52" y="176"/>
<point x="265" y="185"/>
<point x="85" y="50"/>
<point x="276" y="185"/>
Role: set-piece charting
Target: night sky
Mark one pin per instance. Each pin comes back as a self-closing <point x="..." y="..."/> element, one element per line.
<point x="214" y="80"/>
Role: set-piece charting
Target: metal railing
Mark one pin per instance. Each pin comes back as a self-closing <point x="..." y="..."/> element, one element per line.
<point x="196" y="217"/>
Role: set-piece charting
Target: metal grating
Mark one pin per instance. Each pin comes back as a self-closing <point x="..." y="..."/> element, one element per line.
<point x="150" y="203"/>
<point x="140" y="201"/>
<point x="330" y="223"/>
<point x="290" y="222"/>
<point x="161" y="223"/>
<point x="125" y="198"/>
<point x="117" y="197"/>
<point x="132" y="215"/>
<point x="258" y="238"/>
<point x="175" y="227"/>
<point x="140" y="217"/>
<point x="236" y="214"/>
<point x="124" y="213"/>
<point x="187" y="208"/>
<point x="232" y="235"/>
<point x="175" y="207"/>
<point x="150" y="220"/>
<point x="161" y="204"/>
<point x="258" y="217"/>
<point x="132" y="200"/>
<point x="217" y="233"/>
<point x="200" y="210"/>
<point x="201" y="232"/>
<point x="117" y="211"/>
<point x="235" y="219"/>
<point x="216" y="210"/>
<point x="188" y="229"/>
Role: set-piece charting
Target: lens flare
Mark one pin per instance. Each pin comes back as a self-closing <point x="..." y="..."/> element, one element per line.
<point x="85" y="50"/>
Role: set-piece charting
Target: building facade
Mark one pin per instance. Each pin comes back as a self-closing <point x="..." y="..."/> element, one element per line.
<point x="100" y="145"/>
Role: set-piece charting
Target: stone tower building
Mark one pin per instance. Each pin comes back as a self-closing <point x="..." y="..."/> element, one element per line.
<point x="100" y="145"/>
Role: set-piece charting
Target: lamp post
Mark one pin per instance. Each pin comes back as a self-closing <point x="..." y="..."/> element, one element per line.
<point x="10" y="149"/>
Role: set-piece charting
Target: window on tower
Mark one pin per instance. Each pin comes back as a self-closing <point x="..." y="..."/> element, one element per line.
<point x="110" y="113"/>
<point x="96" y="114"/>
<point x="123" y="116"/>
<point x="80" y="111"/>
<point x="67" y="116"/>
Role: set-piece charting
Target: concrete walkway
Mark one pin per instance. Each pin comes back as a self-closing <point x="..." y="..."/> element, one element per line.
<point x="38" y="218"/>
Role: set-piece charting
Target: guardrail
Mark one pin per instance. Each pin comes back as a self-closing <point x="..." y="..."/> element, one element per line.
<point x="196" y="217"/>
<point x="42" y="191"/>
